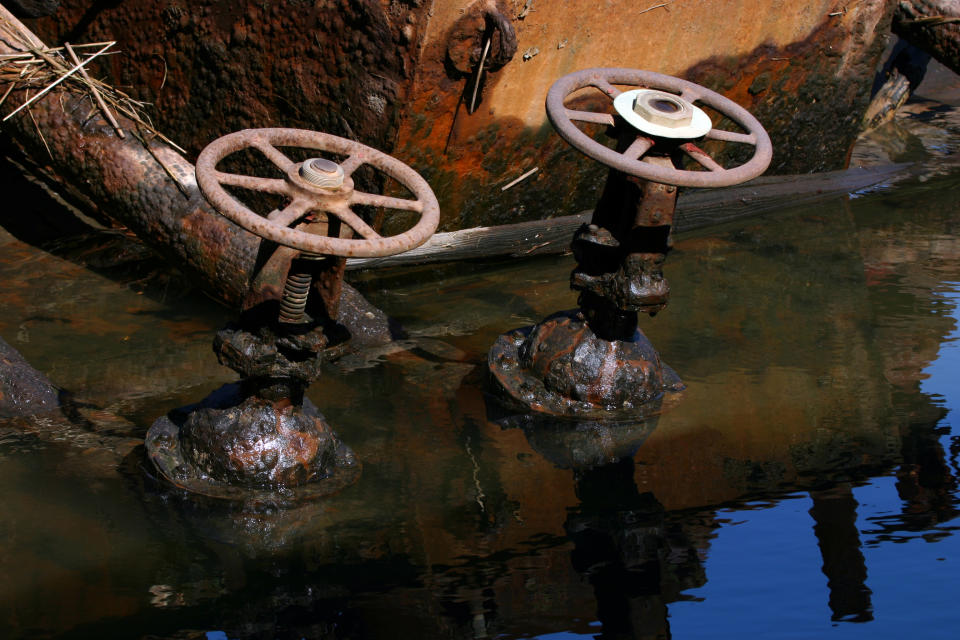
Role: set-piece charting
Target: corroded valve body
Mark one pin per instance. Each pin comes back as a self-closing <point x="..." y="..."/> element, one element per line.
<point x="595" y="361"/>
<point x="262" y="436"/>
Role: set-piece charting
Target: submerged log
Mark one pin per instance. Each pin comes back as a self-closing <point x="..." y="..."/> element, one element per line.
<point x="931" y="25"/>
<point x="694" y="211"/>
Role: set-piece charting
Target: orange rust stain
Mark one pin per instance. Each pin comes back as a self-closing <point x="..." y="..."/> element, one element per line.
<point x="757" y="53"/>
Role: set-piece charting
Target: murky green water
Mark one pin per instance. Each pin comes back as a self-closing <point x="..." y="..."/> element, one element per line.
<point x="805" y="486"/>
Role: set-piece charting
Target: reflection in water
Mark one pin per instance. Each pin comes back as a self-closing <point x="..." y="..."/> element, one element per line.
<point x="925" y="481"/>
<point x="765" y="502"/>
<point x="621" y="546"/>
<point x="621" y="542"/>
<point x="835" y="514"/>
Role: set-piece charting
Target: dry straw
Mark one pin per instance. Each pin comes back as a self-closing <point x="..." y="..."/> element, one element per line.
<point x="41" y="69"/>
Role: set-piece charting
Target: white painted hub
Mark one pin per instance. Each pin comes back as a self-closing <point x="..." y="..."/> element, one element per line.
<point x="662" y="114"/>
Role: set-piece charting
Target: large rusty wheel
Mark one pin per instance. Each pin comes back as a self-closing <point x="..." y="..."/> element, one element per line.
<point x="631" y="160"/>
<point x="316" y="186"/>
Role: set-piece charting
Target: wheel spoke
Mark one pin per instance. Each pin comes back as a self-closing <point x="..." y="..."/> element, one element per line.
<point x="374" y="200"/>
<point x="354" y="221"/>
<point x="590" y="116"/>
<point x="701" y="156"/>
<point x="351" y="164"/>
<point x="274" y="155"/>
<point x="690" y="94"/>
<point x="732" y="136"/>
<point x="254" y="183"/>
<point x="610" y="90"/>
<point x="291" y="213"/>
<point x="638" y="147"/>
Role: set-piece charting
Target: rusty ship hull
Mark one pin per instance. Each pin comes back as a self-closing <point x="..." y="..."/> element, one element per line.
<point x="411" y="77"/>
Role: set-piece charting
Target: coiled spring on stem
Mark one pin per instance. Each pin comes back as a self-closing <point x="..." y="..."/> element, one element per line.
<point x="296" y="290"/>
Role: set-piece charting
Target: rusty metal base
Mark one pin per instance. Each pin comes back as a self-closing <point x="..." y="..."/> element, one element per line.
<point x="562" y="368"/>
<point x="242" y="448"/>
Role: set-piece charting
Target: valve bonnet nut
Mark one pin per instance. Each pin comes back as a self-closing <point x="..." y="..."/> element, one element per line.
<point x="662" y="114"/>
<point x="662" y="108"/>
<point x="322" y="173"/>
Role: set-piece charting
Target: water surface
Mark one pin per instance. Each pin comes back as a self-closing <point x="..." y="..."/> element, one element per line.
<point x="804" y="486"/>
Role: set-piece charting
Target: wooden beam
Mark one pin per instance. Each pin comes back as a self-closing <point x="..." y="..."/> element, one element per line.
<point x="695" y="210"/>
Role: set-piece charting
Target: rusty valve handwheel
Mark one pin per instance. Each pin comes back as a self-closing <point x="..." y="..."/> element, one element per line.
<point x="631" y="161"/>
<point x="316" y="185"/>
